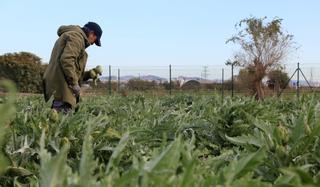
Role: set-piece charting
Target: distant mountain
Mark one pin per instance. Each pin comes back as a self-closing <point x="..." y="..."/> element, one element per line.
<point x="107" y="78"/>
<point x="153" y="78"/>
<point x="128" y="77"/>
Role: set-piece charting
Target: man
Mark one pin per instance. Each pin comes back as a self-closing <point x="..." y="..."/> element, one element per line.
<point x="64" y="74"/>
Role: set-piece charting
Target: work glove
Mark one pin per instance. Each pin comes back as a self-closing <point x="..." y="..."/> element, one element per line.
<point x="76" y="90"/>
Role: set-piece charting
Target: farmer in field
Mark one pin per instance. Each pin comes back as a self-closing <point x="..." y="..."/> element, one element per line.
<point x="65" y="72"/>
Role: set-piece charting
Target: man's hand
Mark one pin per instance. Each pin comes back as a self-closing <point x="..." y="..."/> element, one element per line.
<point x="76" y="90"/>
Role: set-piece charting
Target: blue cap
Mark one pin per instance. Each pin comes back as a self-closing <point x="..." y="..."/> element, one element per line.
<point x="92" y="26"/>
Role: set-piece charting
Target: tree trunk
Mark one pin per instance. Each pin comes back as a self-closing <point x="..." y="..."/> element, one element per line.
<point x="259" y="95"/>
<point x="259" y="73"/>
<point x="277" y="87"/>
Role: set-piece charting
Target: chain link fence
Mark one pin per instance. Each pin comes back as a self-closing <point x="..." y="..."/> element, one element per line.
<point x="219" y="79"/>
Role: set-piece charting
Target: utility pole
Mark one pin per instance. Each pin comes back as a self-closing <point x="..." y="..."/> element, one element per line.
<point x="109" y="81"/>
<point x="222" y="84"/>
<point x="118" y="80"/>
<point x="232" y="64"/>
<point x="170" y="79"/>
<point x="311" y="76"/>
<point x="298" y="81"/>
<point x="232" y="80"/>
<point x="205" y="73"/>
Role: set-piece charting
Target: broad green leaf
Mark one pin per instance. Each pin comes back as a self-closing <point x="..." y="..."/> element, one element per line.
<point x="247" y="139"/>
<point x="249" y="181"/>
<point x="298" y="129"/>
<point x="167" y="158"/>
<point x="53" y="171"/>
<point x="7" y="110"/>
<point x="188" y="178"/>
<point x="87" y="162"/>
<point x="296" y="176"/>
<point x="115" y="157"/>
<point x="238" y="168"/>
<point x="161" y="169"/>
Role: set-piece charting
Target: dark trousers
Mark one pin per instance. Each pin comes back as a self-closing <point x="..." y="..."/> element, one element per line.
<point x="61" y="106"/>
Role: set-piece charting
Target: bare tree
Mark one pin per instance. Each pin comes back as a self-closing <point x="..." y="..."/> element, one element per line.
<point x="264" y="47"/>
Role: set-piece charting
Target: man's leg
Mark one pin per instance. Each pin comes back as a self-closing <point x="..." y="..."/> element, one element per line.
<point x="61" y="106"/>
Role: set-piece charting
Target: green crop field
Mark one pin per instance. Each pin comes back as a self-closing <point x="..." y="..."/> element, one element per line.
<point x="180" y="140"/>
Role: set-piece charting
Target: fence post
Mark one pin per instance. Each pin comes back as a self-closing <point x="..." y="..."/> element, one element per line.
<point x="222" y="85"/>
<point x="232" y="80"/>
<point x="118" y="80"/>
<point x="298" y="81"/>
<point x="109" y="82"/>
<point x="170" y="79"/>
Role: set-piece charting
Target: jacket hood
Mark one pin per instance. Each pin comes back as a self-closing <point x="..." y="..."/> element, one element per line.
<point x="75" y="28"/>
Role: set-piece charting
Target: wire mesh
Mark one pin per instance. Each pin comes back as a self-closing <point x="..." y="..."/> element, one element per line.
<point x="202" y="78"/>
